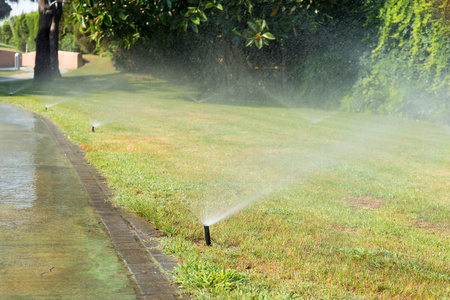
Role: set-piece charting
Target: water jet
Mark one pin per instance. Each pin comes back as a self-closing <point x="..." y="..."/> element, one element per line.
<point x="207" y="235"/>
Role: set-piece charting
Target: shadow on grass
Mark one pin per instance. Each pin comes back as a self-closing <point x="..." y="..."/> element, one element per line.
<point x="69" y="86"/>
<point x="175" y="88"/>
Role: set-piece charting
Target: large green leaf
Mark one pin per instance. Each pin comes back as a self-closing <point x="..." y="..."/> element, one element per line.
<point x="202" y="16"/>
<point x="253" y="26"/>
<point x="122" y="16"/>
<point x="268" y="36"/>
<point x="195" y="20"/>
<point x="259" y="43"/>
<point x="209" y="5"/>
<point x="107" y="20"/>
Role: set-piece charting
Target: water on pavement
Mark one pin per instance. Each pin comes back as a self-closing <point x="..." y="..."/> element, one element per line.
<point x="51" y="243"/>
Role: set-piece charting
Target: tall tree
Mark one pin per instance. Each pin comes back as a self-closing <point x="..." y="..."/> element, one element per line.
<point x="54" y="38"/>
<point x="50" y="13"/>
<point x="42" y="69"/>
<point x="46" y="65"/>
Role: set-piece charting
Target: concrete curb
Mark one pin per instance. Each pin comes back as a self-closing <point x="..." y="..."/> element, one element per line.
<point x="132" y="236"/>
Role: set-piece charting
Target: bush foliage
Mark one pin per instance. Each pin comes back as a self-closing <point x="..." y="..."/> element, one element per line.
<point x="407" y="73"/>
<point x="385" y="56"/>
<point x="380" y="56"/>
<point x="21" y="31"/>
<point x="308" y="54"/>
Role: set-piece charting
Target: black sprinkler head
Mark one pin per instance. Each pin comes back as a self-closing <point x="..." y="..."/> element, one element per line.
<point x="93" y="128"/>
<point x="46" y="108"/>
<point x="207" y="236"/>
<point x="10" y="94"/>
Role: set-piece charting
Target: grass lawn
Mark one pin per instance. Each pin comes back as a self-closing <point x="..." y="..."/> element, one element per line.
<point x="7" y="47"/>
<point x="9" y="72"/>
<point x="301" y="203"/>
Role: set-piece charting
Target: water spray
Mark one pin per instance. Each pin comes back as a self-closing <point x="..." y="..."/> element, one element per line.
<point x="207" y="236"/>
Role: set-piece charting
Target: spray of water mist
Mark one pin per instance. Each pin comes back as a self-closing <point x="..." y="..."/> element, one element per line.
<point x="104" y="85"/>
<point x="6" y="90"/>
<point x="447" y="128"/>
<point x="204" y="99"/>
<point x="48" y="104"/>
<point x="97" y="116"/>
<point x="96" y="124"/>
<point x="214" y="210"/>
<point x="313" y="116"/>
<point x="79" y="90"/>
<point x="196" y="99"/>
<point x="17" y="87"/>
<point x="60" y="100"/>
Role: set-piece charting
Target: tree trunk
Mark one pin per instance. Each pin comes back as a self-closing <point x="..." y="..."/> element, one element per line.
<point x="54" y="37"/>
<point x="42" y="70"/>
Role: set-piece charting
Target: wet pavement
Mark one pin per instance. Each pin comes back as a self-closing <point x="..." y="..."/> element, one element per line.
<point x="59" y="236"/>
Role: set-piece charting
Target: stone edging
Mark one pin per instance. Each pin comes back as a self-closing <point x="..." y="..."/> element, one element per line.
<point x="132" y="236"/>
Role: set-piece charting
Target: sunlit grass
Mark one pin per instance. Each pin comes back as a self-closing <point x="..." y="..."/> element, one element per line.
<point x="9" y="72"/>
<point x="351" y="206"/>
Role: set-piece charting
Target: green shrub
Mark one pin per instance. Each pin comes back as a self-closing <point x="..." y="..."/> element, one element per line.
<point x="68" y="43"/>
<point x="6" y="33"/>
<point x="408" y="72"/>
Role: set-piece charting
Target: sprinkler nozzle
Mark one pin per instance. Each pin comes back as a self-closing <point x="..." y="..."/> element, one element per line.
<point x="207" y="236"/>
<point x="46" y="108"/>
<point x="10" y="94"/>
<point x="93" y="128"/>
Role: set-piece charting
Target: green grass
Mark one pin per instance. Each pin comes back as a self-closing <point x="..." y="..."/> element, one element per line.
<point x="7" y="47"/>
<point x="5" y="73"/>
<point x="355" y="206"/>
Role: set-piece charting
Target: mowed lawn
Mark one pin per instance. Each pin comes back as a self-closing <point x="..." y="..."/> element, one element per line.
<point x="301" y="203"/>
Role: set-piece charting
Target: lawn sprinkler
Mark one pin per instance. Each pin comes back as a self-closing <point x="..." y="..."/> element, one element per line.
<point x="207" y="236"/>
<point x="93" y="128"/>
<point x="46" y="108"/>
<point x="10" y="94"/>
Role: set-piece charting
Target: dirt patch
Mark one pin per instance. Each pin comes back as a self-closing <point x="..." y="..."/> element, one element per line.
<point x="344" y="228"/>
<point x="436" y="228"/>
<point x="364" y="202"/>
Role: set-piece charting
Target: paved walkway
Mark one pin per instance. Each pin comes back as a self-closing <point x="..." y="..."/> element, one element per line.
<point x="38" y="257"/>
<point x="28" y="73"/>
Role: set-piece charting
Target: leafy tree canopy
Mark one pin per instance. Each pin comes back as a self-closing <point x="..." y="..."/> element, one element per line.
<point x="406" y="70"/>
<point x="5" y="9"/>
<point x="255" y="21"/>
